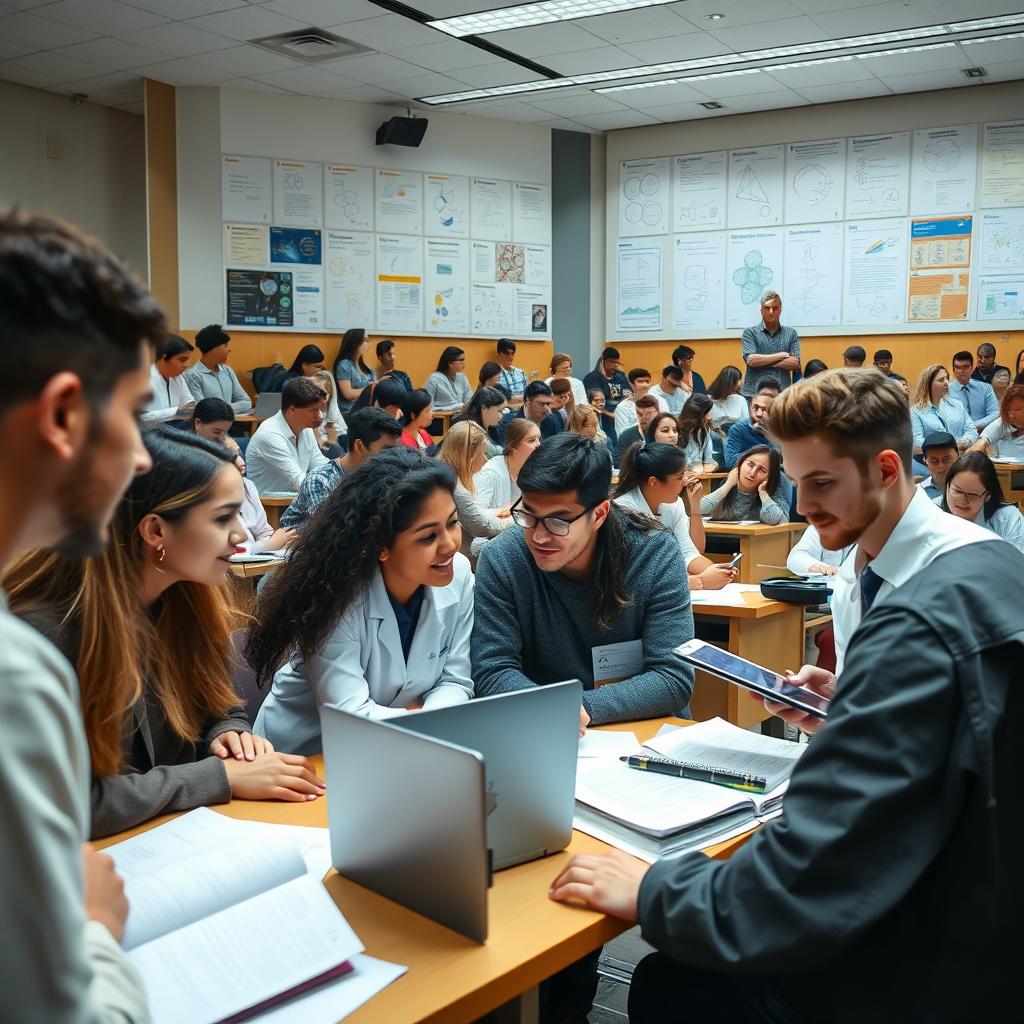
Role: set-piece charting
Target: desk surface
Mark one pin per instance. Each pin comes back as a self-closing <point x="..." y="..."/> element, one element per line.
<point x="253" y="570"/>
<point x="755" y="606"/>
<point x="276" y="500"/>
<point x="451" y="978"/>
<point x="752" y="529"/>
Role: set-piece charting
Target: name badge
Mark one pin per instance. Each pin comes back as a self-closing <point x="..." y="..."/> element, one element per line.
<point x="613" y="662"/>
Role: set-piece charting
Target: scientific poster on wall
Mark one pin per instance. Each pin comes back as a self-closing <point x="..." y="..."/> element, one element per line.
<point x="398" y="202"/>
<point x="349" y="279"/>
<point x="1000" y="298"/>
<point x="753" y="264"/>
<point x="245" y="245"/>
<point x="944" y="169"/>
<point x="481" y="262"/>
<point x="491" y="209"/>
<point x="699" y="191"/>
<point x="815" y="179"/>
<point x="643" y="197"/>
<point x="531" y="212"/>
<point x="245" y="189"/>
<point x="295" y="245"/>
<point x="399" y="284"/>
<point x="813" y="278"/>
<point x="493" y="309"/>
<point x="348" y="197"/>
<point x="1001" y="242"/>
<point x="446" y="285"/>
<point x="509" y="263"/>
<point x="874" y="272"/>
<point x="298" y="193"/>
<point x="698" y="281"/>
<point x="1002" y="164"/>
<point x="446" y="205"/>
<point x="259" y="298"/>
<point x="537" y="267"/>
<point x="877" y="175"/>
<point x="639" y="297"/>
<point x="309" y="298"/>
<point x="532" y="307"/>
<point x="755" y="186"/>
<point x="938" y="286"/>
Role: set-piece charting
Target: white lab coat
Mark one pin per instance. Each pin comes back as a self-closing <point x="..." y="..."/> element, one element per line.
<point x="361" y="668"/>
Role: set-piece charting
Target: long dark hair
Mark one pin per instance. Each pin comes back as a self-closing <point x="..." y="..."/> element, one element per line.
<point x="725" y="383"/>
<point x="691" y="420"/>
<point x="728" y="503"/>
<point x="306" y="354"/>
<point x="980" y="463"/>
<point x="448" y="356"/>
<point x="350" y="342"/>
<point x="339" y="555"/>
<point x="482" y="398"/>
<point x="572" y="462"/>
<point x="489" y="369"/>
<point x="653" y="425"/>
<point x="644" y="459"/>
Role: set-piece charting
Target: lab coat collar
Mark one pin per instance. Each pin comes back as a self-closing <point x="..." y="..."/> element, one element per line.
<point x="378" y="606"/>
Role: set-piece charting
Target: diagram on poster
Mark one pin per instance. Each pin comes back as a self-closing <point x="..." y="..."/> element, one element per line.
<point x="398" y="197"/>
<point x="938" y="287"/>
<point x="1000" y="298"/>
<point x="295" y="245"/>
<point x="755" y="186"/>
<point x="446" y="285"/>
<point x="348" y="201"/>
<point x="698" y="281"/>
<point x="298" y="193"/>
<point x="509" y="264"/>
<point x="815" y="173"/>
<point x="348" y="279"/>
<point x="493" y="309"/>
<point x="531" y="212"/>
<point x="753" y="264"/>
<point x="399" y="283"/>
<point x="538" y="265"/>
<point x="643" y="197"/>
<point x="700" y="197"/>
<point x="943" y="169"/>
<point x="259" y="298"/>
<point x="446" y="211"/>
<point x="531" y="311"/>
<point x="1002" y="242"/>
<point x="874" y="272"/>
<point x="1002" y="164"/>
<point x="491" y="209"/>
<point x="813" y="282"/>
<point x="639" y="287"/>
<point x="877" y="175"/>
<point x="245" y="189"/>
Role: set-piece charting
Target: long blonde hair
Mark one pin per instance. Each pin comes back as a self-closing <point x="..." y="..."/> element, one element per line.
<point x="464" y="448"/>
<point x="922" y="397"/>
<point x="180" y="648"/>
<point x="581" y="417"/>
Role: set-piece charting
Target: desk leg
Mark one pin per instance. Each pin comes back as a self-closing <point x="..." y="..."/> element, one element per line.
<point x="524" y="1009"/>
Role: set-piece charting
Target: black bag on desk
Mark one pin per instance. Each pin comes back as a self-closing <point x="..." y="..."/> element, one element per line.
<point x="796" y="591"/>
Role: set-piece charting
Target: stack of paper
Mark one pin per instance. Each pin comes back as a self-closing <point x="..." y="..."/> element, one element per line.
<point x="652" y="816"/>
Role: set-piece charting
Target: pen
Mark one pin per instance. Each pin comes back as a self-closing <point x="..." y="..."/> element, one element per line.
<point x="698" y="773"/>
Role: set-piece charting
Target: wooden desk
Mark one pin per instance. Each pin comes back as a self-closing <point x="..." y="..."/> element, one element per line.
<point x="445" y="417"/>
<point x="1011" y="479"/>
<point x="452" y="980"/>
<point x="254" y="570"/>
<point x="770" y="633"/>
<point x="759" y="545"/>
<point x="708" y="481"/>
<point x="273" y="504"/>
<point x="248" y="422"/>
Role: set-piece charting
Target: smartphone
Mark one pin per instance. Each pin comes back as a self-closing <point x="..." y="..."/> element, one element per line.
<point x="762" y="681"/>
<point x="736" y="560"/>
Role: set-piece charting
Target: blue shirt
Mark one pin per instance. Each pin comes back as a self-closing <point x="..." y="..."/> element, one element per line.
<point x="347" y="370"/>
<point x="757" y="341"/>
<point x="948" y="417"/>
<point x="313" y="490"/>
<point x="408" y="617"/>
<point x="512" y="382"/>
<point x="614" y="389"/>
<point x="979" y="400"/>
<point x="741" y="437"/>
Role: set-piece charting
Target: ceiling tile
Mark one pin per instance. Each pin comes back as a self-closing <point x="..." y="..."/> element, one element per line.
<point x="40" y="34"/>
<point x="813" y="7"/>
<point x="451" y="8"/>
<point x="56" y="66"/>
<point x="733" y="85"/>
<point x="23" y="76"/>
<point x="176" y="39"/>
<point x="325" y="12"/>
<point x="1007" y="71"/>
<point x="993" y="53"/>
<point x="781" y="32"/>
<point x="448" y="55"/>
<point x="310" y="81"/>
<point x="113" y="54"/>
<point x="539" y="40"/>
<point x="372" y="68"/>
<point x="770" y="99"/>
<point x="886" y="17"/>
<point x="678" y="47"/>
<point x="634" y="26"/>
<point x="613" y="122"/>
<point x="182" y="10"/>
<point x="844" y="91"/>
<point x="135" y="107"/>
<point x="104" y="16"/>
<point x="504" y="72"/>
<point x="601" y="58"/>
<point x="247" y="60"/>
<point x="248" y="85"/>
<point x="683" y="112"/>
<point x="9" y="49"/>
<point x="737" y="12"/>
<point x="522" y="112"/>
<point x="365" y="94"/>
<point x="822" y="74"/>
<point x="26" y="5"/>
<point x="659" y="96"/>
<point x="181" y="72"/>
<point x="886" y="65"/>
<point x="121" y="85"/>
<point x="924" y="80"/>
<point x="5" y="9"/>
<point x="246" y="23"/>
<point x="390" y="32"/>
<point x="564" y="124"/>
<point x="578" y="103"/>
<point x="426" y="85"/>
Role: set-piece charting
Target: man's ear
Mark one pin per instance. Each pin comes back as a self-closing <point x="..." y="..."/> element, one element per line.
<point x="890" y="465"/>
<point x="62" y="415"/>
<point x="601" y="513"/>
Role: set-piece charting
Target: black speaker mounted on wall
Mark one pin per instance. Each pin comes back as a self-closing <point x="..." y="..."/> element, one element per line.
<point x="402" y="131"/>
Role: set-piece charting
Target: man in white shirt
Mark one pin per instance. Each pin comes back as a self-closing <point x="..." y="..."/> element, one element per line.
<point x="70" y="406"/>
<point x="671" y="389"/>
<point x="625" y="411"/>
<point x="284" y="448"/>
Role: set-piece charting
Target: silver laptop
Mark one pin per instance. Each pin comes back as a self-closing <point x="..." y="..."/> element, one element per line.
<point x="406" y="816"/>
<point x="529" y="740"/>
<point x="268" y="404"/>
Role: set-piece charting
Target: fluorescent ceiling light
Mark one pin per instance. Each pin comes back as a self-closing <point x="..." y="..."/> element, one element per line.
<point x="535" y="14"/>
<point x="992" y="39"/>
<point x="878" y="39"/>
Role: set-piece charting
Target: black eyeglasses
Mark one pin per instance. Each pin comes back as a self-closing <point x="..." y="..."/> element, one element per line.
<point x="556" y="527"/>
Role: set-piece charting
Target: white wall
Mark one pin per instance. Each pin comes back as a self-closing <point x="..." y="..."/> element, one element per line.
<point x="99" y="183"/>
<point x="973" y="104"/>
<point x="211" y="122"/>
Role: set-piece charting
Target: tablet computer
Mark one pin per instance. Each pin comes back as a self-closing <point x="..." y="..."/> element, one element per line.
<point x="762" y="681"/>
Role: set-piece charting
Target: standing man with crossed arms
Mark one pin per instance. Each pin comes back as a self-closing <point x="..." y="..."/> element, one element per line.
<point x="769" y="349"/>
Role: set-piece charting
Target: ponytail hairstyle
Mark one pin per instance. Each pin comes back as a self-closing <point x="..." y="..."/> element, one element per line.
<point x="691" y="420"/>
<point x="339" y="556"/>
<point x="178" y="648"/>
<point x="517" y="429"/>
<point x="728" y="503"/>
<point x="464" y="448"/>
<point x="645" y="459"/>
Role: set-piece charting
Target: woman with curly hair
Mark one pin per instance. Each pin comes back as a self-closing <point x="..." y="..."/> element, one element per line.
<point x="373" y="613"/>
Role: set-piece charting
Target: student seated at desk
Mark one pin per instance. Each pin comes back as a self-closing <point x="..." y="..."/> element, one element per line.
<point x="695" y="434"/>
<point x="754" y="489"/>
<point x="373" y="613"/>
<point x="350" y="369"/>
<point x="370" y="431"/>
<point x="646" y="409"/>
<point x="485" y="409"/>
<point x="729" y="405"/>
<point x="584" y="583"/>
<point x="664" y="429"/>
<point x="651" y="479"/>
<point x="495" y="483"/>
<point x="1005" y="435"/>
<point x="973" y="492"/>
<point x="810" y="558"/>
<point x="749" y="433"/>
<point x="537" y="407"/>
<point x="448" y="386"/>
<point x="417" y="415"/>
<point x="387" y="358"/>
<point x="384" y="394"/>
<point x="211" y="377"/>
<point x="939" y="452"/>
<point x="147" y="626"/>
<point x="171" y="398"/>
<point x="931" y="409"/>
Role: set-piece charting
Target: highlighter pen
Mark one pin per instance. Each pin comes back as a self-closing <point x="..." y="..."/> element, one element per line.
<point x="698" y="773"/>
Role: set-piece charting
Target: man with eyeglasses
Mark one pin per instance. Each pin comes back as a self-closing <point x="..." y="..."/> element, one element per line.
<point x="940" y="452"/>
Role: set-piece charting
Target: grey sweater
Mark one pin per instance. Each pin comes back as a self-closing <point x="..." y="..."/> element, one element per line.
<point x="533" y="628"/>
<point x="749" y="506"/>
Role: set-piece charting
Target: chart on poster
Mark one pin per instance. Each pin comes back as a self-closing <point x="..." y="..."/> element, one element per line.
<point x="874" y="271"/>
<point x="639" y="295"/>
<point x="399" y="283"/>
<point x="643" y="197"/>
<point x="398" y="203"/>
<point x="1002" y="164"/>
<point x="298" y="193"/>
<point x="491" y="209"/>
<point x="348" y="197"/>
<point x="755" y="186"/>
<point x="877" y="175"/>
<point x="446" y="282"/>
<point x="446" y="210"/>
<point x="349" y="279"/>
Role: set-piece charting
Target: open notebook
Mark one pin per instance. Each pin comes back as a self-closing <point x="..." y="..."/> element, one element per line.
<point x="652" y="816"/>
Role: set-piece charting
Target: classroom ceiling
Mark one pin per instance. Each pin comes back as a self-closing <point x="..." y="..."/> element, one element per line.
<point x="683" y="60"/>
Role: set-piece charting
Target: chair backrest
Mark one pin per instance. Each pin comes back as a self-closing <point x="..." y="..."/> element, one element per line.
<point x="265" y="378"/>
<point x="243" y="678"/>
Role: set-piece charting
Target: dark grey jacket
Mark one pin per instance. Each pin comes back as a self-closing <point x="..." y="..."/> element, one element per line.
<point x="890" y="888"/>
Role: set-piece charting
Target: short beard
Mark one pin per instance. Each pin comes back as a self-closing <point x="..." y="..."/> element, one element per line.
<point x="867" y="513"/>
<point x="84" y="536"/>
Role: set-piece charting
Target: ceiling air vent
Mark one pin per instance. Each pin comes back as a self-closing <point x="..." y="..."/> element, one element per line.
<point x="712" y="105"/>
<point x="310" y="45"/>
<point x="974" y="72"/>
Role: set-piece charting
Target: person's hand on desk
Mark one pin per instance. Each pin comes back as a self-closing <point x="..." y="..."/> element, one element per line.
<point x="584" y="720"/>
<point x="242" y="746"/>
<point x="821" y="569"/>
<point x="610" y="884"/>
<point x="279" y="539"/>
<point x="274" y="776"/>
<point x="104" y="896"/>
<point x="817" y="680"/>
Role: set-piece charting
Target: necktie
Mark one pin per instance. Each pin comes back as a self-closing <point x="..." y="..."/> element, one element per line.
<point x="870" y="581"/>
